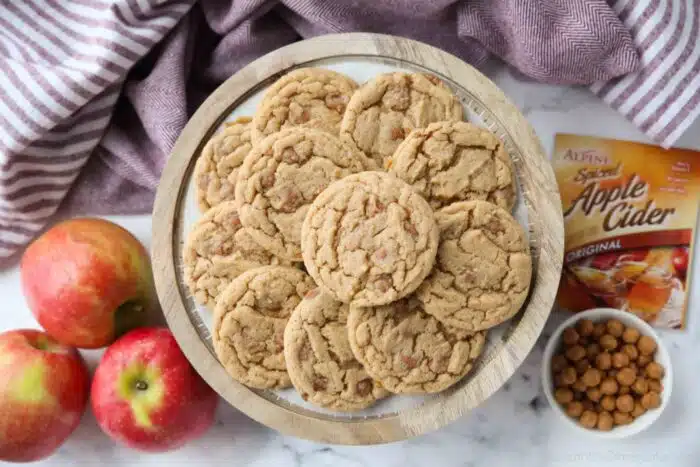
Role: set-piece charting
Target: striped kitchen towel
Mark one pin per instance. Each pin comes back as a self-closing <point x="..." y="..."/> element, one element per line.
<point x="95" y="92"/>
<point x="663" y="97"/>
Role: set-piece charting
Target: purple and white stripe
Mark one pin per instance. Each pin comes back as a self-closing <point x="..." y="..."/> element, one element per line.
<point x="663" y="98"/>
<point x="62" y="66"/>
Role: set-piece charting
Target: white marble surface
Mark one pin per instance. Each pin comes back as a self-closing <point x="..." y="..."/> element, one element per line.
<point x="514" y="427"/>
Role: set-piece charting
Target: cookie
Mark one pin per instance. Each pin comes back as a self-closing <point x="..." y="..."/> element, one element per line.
<point x="310" y="97"/>
<point x="483" y="268"/>
<point x="409" y="351"/>
<point x="369" y="239"/>
<point x="217" y="250"/>
<point x="319" y="360"/>
<point x="217" y="166"/>
<point x="249" y="321"/>
<point x="281" y="177"/>
<point x="386" y="108"/>
<point x="455" y="161"/>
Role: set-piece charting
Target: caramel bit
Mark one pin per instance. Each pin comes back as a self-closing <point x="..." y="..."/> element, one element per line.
<point x="289" y="155"/>
<point x="364" y="387"/>
<point x="336" y="101"/>
<point x="397" y="133"/>
<point x="383" y="283"/>
<point x="410" y="362"/>
<point x="291" y="201"/>
<point x="319" y="384"/>
<point x="268" y="179"/>
<point x="408" y="226"/>
<point x="305" y="116"/>
<point x="433" y="79"/>
<point x="235" y="221"/>
<point x="312" y="293"/>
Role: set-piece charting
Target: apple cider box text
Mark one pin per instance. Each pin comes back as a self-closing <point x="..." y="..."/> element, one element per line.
<point x="630" y="211"/>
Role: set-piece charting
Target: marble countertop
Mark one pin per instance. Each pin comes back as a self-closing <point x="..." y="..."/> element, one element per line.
<point x="514" y="427"/>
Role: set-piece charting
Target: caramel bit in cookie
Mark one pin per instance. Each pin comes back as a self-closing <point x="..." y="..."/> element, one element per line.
<point x="290" y="201"/>
<point x="304" y="116"/>
<point x="320" y="384"/>
<point x="336" y="101"/>
<point x="383" y="283"/>
<point x="410" y="362"/>
<point x="364" y="387"/>
<point x="267" y="179"/>
<point x="397" y="133"/>
<point x="381" y="254"/>
<point x="408" y="227"/>
<point x="433" y="79"/>
<point x="312" y="293"/>
<point x="290" y="155"/>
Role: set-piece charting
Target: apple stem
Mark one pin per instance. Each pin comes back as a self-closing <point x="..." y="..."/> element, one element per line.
<point x="141" y="385"/>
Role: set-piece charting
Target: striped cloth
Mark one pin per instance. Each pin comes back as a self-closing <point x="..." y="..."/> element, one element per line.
<point x="81" y="113"/>
<point x="663" y="98"/>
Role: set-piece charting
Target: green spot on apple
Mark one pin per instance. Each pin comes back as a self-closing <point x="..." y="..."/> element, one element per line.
<point x="29" y="385"/>
<point x="142" y="388"/>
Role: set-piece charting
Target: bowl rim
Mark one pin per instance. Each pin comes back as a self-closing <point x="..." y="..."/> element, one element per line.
<point x="662" y="355"/>
<point x="540" y="192"/>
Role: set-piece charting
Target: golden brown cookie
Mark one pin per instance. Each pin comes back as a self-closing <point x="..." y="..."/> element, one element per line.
<point x="409" y="351"/>
<point x="280" y="178"/>
<point x="310" y="97"/>
<point x="369" y="239"/>
<point x="319" y="360"/>
<point x="249" y="321"/>
<point x="483" y="267"/>
<point x="217" y="166"/>
<point x="385" y="109"/>
<point x="217" y="250"/>
<point x="455" y="161"/>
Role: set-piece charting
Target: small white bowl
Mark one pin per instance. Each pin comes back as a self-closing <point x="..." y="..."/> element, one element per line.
<point x="661" y="356"/>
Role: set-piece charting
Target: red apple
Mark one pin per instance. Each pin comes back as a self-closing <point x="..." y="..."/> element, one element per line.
<point x="88" y="281"/>
<point x="146" y="395"/>
<point x="44" y="389"/>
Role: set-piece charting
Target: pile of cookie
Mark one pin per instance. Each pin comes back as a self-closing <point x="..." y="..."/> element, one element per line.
<point x="356" y="240"/>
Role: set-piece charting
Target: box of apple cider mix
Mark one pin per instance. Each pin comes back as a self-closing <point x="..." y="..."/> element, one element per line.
<point x="630" y="211"/>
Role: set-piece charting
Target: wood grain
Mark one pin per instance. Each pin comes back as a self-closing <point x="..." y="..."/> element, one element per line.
<point x="539" y="189"/>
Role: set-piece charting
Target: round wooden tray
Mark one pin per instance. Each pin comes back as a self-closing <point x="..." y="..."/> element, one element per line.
<point x="538" y="198"/>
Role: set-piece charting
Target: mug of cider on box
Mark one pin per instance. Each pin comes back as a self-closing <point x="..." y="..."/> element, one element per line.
<point x="629" y="213"/>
